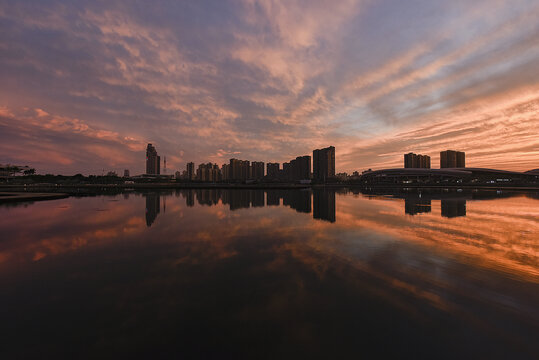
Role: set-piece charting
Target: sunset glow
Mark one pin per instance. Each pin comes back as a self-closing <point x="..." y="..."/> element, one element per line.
<point x="86" y="85"/>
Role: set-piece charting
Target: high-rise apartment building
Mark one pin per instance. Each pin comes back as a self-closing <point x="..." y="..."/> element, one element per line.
<point x="208" y="172"/>
<point x="225" y="172"/>
<point x="239" y="169"/>
<point x="245" y="170"/>
<point x="452" y="159"/>
<point x="297" y="169"/>
<point x="412" y="160"/>
<point x="303" y="164"/>
<point x="235" y="169"/>
<point x="324" y="163"/>
<point x="153" y="161"/>
<point x="272" y="170"/>
<point x="286" y="171"/>
<point x="191" y="171"/>
<point x="257" y="170"/>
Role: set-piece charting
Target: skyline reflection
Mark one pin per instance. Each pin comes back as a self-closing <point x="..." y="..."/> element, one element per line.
<point x="321" y="202"/>
<point x="456" y="286"/>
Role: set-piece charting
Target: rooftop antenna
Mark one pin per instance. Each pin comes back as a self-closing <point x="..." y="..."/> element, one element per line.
<point x="165" y="169"/>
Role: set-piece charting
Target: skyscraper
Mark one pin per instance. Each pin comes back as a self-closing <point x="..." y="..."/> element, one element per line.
<point x="208" y="172"/>
<point x="239" y="169"/>
<point x="190" y="171"/>
<point x="324" y="163"/>
<point x="272" y="170"/>
<point x="225" y="172"/>
<point x="303" y="164"/>
<point x="412" y="160"/>
<point x="235" y="169"/>
<point x="286" y="171"/>
<point x="257" y="170"/>
<point x="153" y="161"/>
<point x="452" y="159"/>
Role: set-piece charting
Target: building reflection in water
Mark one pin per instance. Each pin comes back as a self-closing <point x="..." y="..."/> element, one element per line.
<point x="453" y="207"/>
<point x="453" y="202"/>
<point x="321" y="202"/>
<point x="257" y="198"/>
<point x="153" y="206"/>
<point x="273" y="198"/>
<point x="299" y="200"/>
<point x="324" y="204"/>
<point x="415" y="205"/>
<point x="439" y="282"/>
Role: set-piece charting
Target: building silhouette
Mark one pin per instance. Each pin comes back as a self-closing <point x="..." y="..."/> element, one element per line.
<point x="297" y="169"/>
<point x="126" y="173"/>
<point x="418" y="161"/>
<point x="208" y="172"/>
<point x="272" y="170"/>
<point x="287" y="173"/>
<point x="324" y="163"/>
<point x="153" y="161"/>
<point x="257" y="170"/>
<point x="225" y="172"/>
<point x="239" y="169"/>
<point x="191" y="171"/>
<point x="303" y="164"/>
<point x="452" y="159"/>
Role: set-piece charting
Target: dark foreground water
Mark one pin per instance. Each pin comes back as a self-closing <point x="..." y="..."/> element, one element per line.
<point x="271" y="274"/>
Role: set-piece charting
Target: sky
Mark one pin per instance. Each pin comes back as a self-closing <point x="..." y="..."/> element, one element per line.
<point x="85" y="85"/>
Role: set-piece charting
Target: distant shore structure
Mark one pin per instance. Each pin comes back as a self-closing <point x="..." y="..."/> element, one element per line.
<point x="452" y="159"/>
<point x="416" y="161"/>
<point x="153" y="161"/>
<point x="324" y="163"/>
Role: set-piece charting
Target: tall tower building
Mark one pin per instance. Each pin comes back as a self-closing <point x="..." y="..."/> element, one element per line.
<point x="225" y="172"/>
<point x="303" y="164"/>
<point x="412" y="160"/>
<point x="272" y="170"/>
<point x="191" y="171"/>
<point x="257" y="169"/>
<point x="235" y="169"/>
<point x="324" y="163"/>
<point x="153" y="161"/>
<point x="452" y="159"/>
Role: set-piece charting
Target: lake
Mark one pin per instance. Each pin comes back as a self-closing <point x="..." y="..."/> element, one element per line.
<point x="212" y="273"/>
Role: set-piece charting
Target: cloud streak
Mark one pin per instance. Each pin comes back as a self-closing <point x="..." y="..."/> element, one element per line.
<point x="267" y="81"/>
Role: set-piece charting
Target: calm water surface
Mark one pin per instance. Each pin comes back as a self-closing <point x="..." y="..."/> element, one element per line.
<point x="272" y="274"/>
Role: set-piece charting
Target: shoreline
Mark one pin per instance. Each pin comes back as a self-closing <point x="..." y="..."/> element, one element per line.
<point x="7" y="197"/>
<point x="54" y="188"/>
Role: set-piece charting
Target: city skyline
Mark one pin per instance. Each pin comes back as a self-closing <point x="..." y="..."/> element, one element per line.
<point x="88" y="85"/>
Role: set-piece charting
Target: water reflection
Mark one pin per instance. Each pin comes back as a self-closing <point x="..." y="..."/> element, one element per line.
<point x="453" y="207"/>
<point x="321" y="202"/>
<point x="415" y="205"/>
<point x="153" y="207"/>
<point x="324" y="204"/>
<point x="299" y="200"/>
<point x="219" y="275"/>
